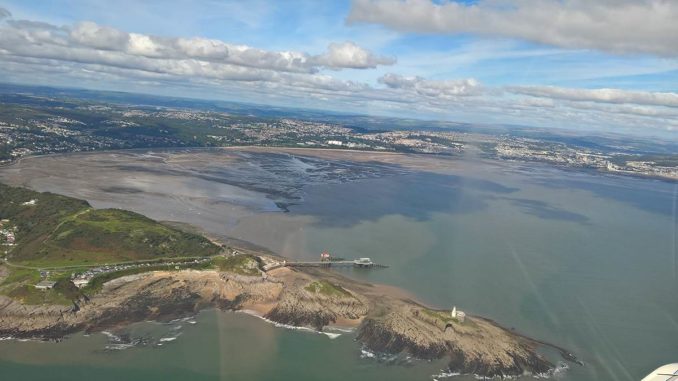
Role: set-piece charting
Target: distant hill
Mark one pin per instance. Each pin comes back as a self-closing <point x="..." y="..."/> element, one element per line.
<point x="54" y="230"/>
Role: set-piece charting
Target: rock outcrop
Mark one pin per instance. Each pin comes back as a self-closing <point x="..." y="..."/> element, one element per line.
<point x="476" y="346"/>
<point x="386" y="323"/>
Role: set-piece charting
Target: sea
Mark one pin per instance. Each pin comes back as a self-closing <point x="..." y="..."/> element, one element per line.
<point x="584" y="260"/>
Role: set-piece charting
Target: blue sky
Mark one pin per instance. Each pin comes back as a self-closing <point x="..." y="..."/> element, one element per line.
<point x="464" y="61"/>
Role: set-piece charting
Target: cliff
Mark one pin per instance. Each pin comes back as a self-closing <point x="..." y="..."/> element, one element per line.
<point x="386" y="322"/>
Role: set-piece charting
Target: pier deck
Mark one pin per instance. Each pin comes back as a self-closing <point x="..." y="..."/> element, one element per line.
<point x="335" y="264"/>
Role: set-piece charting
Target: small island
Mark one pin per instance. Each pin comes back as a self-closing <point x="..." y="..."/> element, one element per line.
<point x="68" y="267"/>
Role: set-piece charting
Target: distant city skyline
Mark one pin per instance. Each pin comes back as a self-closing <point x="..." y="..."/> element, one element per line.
<point x="604" y="65"/>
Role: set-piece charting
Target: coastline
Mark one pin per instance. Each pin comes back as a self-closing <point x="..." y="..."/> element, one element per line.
<point x="354" y="153"/>
<point x="382" y="322"/>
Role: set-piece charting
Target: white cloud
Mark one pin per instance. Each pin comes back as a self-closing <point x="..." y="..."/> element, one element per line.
<point x="97" y="42"/>
<point x="440" y="89"/>
<point x="86" y="48"/>
<point x="599" y="95"/>
<point x="544" y="104"/>
<point x="620" y="26"/>
<point x="91" y="55"/>
<point x="90" y="34"/>
<point x="350" y="55"/>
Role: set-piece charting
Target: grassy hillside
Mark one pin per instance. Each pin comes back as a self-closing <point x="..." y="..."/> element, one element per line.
<point x="58" y="231"/>
<point x="33" y="223"/>
<point x="242" y="264"/>
<point x="65" y="233"/>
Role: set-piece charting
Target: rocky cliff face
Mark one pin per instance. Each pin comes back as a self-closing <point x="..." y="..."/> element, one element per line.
<point x="156" y="295"/>
<point x="301" y="305"/>
<point x="386" y="323"/>
<point x="473" y="347"/>
<point x="166" y="295"/>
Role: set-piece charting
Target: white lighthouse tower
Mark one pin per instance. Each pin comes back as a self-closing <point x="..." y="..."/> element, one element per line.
<point x="460" y="316"/>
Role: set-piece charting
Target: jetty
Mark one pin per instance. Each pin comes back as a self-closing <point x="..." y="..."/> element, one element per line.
<point x="359" y="262"/>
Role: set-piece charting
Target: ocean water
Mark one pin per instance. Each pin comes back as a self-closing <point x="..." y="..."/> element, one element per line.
<point x="213" y="345"/>
<point x="582" y="260"/>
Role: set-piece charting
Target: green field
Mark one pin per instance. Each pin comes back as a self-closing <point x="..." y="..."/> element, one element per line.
<point x="66" y="235"/>
<point x="63" y="231"/>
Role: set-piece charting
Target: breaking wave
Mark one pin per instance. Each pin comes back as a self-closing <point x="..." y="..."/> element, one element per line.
<point x="387" y="358"/>
<point x="560" y="368"/>
<point x="331" y="335"/>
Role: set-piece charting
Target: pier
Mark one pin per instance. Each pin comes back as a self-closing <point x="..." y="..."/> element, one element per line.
<point x="360" y="262"/>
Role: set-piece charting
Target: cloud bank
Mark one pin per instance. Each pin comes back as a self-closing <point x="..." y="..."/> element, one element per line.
<point x="618" y="26"/>
<point x="599" y="95"/>
<point x="92" y="43"/>
<point x="436" y="89"/>
<point x="89" y="55"/>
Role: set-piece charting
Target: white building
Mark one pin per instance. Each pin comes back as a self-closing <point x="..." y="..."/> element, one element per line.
<point x="363" y="262"/>
<point x="45" y="285"/>
<point x="80" y="282"/>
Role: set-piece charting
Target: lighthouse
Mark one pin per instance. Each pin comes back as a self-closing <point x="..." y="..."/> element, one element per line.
<point x="459" y="316"/>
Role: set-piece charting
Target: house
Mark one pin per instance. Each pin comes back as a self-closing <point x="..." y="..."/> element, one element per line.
<point x="363" y="262"/>
<point x="80" y="282"/>
<point x="272" y="266"/>
<point x="45" y="285"/>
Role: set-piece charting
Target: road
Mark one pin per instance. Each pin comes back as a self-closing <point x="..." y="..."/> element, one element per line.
<point x="57" y="268"/>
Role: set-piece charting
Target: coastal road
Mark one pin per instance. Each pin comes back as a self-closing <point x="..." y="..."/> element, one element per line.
<point x="138" y="262"/>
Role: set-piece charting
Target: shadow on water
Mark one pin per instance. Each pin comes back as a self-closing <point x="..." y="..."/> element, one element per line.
<point x="626" y="190"/>
<point x="544" y="210"/>
<point x="415" y="196"/>
<point x="343" y="193"/>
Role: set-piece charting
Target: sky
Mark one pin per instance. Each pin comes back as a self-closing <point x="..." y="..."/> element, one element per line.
<point x="604" y="65"/>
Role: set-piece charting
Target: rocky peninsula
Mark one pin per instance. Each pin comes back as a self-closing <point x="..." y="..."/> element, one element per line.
<point x="385" y="321"/>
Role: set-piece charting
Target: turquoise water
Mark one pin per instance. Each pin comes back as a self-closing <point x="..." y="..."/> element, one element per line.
<point x="218" y="346"/>
<point x="581" y="260"/>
